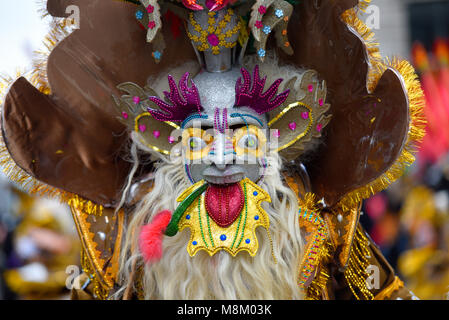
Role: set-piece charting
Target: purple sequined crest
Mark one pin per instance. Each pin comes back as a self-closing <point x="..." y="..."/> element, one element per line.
<point x="182" y="101"/>
<point x="250" y="93"/>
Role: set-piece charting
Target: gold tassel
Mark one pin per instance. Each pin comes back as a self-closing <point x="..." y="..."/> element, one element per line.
<point x="356" y="274"/>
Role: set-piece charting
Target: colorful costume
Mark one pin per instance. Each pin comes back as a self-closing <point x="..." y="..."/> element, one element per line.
<point x="276" y="114"/>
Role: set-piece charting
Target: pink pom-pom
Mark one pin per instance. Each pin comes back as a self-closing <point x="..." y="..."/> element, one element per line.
<point x="150" y="238"/>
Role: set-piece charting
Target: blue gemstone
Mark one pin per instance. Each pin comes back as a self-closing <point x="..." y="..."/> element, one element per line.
<point x="188" y="217"/>
<point x="256" y="218"/>
<point x="247" y="241"/>
<point x="223" y="237"/>
<point x="255" y="193"/>
<point x="139" y="15"/>
<point x="279" y="13"/>
<point x="194" y="243"/>
<point x="157" y="55"/>
<point x="266" y="29"/>
<point x="261" y="53"/>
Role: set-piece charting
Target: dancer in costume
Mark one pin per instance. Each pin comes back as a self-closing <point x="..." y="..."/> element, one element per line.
<point x="224" y="157"/>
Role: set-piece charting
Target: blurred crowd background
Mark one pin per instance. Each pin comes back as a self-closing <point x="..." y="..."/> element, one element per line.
<point x="409" y="221"/>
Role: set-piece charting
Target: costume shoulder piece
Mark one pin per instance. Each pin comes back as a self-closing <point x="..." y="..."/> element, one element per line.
<point x="300" y="79"/>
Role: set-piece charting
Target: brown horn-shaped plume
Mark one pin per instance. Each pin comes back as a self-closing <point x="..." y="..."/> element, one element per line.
<point x="368" y="130"/>
<point x="72" y="139"/>
<point x="55" y="145"/>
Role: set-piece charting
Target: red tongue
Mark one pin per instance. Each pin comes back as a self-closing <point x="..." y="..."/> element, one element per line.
<point x="224" y="203"/>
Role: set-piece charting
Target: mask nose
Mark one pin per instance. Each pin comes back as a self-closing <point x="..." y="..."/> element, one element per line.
<point x="222" y="151"/>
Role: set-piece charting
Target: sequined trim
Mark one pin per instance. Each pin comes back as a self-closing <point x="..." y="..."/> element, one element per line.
<point x="314" y="250"/>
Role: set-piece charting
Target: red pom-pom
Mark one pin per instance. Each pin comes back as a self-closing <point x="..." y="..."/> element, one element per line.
<point x="150" y="238"/>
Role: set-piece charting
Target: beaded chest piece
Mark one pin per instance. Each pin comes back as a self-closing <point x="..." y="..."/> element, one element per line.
<point x="240" y="235"/>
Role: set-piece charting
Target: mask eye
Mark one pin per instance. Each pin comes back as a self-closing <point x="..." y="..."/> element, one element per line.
<point x="195" y="143"/>
<point x="249" y="142"/>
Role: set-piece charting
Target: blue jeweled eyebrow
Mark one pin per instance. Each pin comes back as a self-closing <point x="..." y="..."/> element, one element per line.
<point x="193" y="116"/>
<point x="241" y="115"/>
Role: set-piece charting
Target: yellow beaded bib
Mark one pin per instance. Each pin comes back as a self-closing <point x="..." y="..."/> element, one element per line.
<point x="239" y="236"/>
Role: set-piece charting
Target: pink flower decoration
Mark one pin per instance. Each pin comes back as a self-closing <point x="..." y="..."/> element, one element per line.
<point x="262" y="9"/>
<point x="136" y="100"/>
<point x="213" y="39"/>
<point x="305" y="115"/>
<point x="310" y="88"/>
<point x="292" y="126"/>
<point x="258" y="24"/>
<point x="124" y="115"/>
<point x="156" y="134"/>
<point x="150" y="8"/>
<point x="142" y="128"/>
<point x="151" y="24"/>
<point x="321" y="102"/>
<point x="171" y="139"/>
<point x="319" y="127"/>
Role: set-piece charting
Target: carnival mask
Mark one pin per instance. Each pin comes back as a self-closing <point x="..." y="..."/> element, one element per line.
<point x="224" y="125"/>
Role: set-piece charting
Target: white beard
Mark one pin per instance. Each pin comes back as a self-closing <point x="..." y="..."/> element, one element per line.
<point x="179" y="276"/>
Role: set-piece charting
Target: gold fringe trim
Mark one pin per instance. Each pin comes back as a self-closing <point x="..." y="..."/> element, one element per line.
<point x="309" y="202"/>
<point x="355" y="274"/>
<point x="363" y="4"/>
<point x="84" y="205"/>
<point x="388" y="291"/>
<point x="416" y="105"/>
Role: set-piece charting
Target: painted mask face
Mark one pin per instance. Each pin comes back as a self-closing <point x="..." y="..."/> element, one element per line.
<point x="228" y="122"/>
<point x="222" y="144"/>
